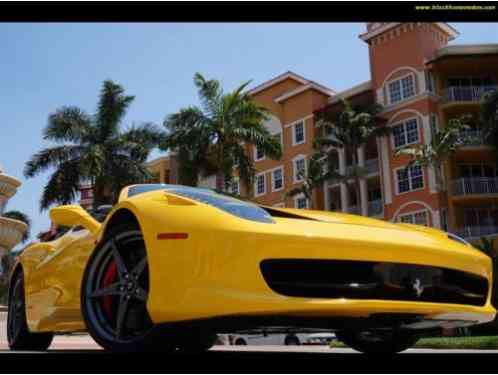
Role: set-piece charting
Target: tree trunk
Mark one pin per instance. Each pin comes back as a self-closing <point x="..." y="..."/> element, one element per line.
<point x="357" y="180"/>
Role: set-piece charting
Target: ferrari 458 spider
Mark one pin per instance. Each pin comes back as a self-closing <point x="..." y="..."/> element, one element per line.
<point x="169" y="267"/>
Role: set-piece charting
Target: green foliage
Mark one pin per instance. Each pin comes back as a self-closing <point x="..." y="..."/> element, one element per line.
<point x="444" y="144"/>
<point x="348" y="129"/>
<point x="489" y="116"/>
<point x="209" y="139"/>
<point x="487" y="246"/>
<point x="93" y="148"/>
<point x="17" y="215"/>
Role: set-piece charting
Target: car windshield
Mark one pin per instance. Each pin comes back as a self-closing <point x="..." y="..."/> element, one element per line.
<point x="236" y="207"/>
<point x="145" y="188"/>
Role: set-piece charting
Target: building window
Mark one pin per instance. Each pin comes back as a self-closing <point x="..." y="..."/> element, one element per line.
<point x="405" y="133"/>
<point x="260" y="183"/>
<point x="298" y="133"/>
<point x="418" y="218"/>
<point x="299" y="169"/>
<point x="277" y="179"/>
<point x="410" y="179"/>
<point x="301" y="202"/>
<point x="429" y="81"/>
<point x="259" y="154"/>
<point x="401" y="89"/>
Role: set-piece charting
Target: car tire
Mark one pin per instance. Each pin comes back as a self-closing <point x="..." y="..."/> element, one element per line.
<point x="240" y="341"/>
<point x="292" y="340"/>
<point x="114" y="295"/>
<point x="378" y="342"/>
<point x="18" y="335"/>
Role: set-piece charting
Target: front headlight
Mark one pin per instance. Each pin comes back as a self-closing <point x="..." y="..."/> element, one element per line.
<point x="236" y="207"/>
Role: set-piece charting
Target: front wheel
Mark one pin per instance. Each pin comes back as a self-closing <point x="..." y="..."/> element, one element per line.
<point x="114" y="295"/>
<point x="18" y="335"/>
<point x="378" y="341"/>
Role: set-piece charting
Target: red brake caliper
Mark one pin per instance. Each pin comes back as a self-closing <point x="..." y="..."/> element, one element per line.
<point x="109" y="278"/>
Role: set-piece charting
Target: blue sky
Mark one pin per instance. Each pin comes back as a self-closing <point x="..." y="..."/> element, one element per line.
<point x="44" y="66"/>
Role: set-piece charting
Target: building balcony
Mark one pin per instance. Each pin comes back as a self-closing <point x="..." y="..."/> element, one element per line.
<point x="476" y="231"/>
<point x="371" y="166"/>
<point x="375" y="208"/>
<point x="353" y="210"/>
<point x="466" y="94"/>
<point x="473" y="138"/>
<point x="474" y="186"/>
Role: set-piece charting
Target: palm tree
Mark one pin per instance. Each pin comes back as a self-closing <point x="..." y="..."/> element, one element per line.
<point x="349" y="130"/>
<point x="489" y="115"/>
<point x="92" y="148"/>
<point x="211" y="138"/>
<point x="444" y="144"/>
<point x="314" y="177"/>
<point x="17" y="215"/>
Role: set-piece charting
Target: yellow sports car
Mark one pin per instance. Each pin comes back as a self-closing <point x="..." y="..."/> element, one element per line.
<point x="169" y="267"/>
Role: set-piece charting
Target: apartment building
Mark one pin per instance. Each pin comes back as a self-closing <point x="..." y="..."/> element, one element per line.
<point x="421" y="83"/>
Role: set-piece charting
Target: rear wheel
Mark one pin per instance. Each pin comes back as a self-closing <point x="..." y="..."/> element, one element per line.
<point x="114" y="294"/>
<point x="378" y="341"/>
<point x="18" y="335"/>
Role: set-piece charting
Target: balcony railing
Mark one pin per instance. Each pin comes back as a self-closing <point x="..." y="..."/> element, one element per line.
<point x="353" y="210"/>
<point x="475" y="186"/>
<point x="473" y="138"/>
<point x="375" y="208"/>
<point x="372" y="166"/>
<point x="466" y="93"/>
<point x="477" y="231"/>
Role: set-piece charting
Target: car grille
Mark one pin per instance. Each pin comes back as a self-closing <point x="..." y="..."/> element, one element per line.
<point x="373" y="280"/>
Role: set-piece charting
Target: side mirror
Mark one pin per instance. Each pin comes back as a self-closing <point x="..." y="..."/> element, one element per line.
<point x="72" y="215"/>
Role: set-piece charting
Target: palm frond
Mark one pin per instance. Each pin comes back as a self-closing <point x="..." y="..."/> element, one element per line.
<point x="68" y="124"/>
<point x="51" y="157"/>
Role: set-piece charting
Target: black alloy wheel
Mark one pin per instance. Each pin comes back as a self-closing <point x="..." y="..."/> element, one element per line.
<point x="114" y="294"/>
<point x="18" y="335"/>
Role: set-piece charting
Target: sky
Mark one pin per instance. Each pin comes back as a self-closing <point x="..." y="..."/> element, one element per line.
<point x="44" y="66"/>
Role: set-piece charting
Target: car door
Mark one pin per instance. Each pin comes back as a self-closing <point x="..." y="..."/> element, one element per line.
<point x="55" y="282"/>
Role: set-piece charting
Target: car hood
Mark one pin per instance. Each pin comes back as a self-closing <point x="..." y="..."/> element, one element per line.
<point x="342" y="218"/>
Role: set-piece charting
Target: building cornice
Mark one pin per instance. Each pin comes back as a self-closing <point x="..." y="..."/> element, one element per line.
<point x="348" y="93"/>
<point x="464" y="50"/>
<point x="278" y="79"/>
<point x="311" y="85"/>
<point x="450" y="31"/>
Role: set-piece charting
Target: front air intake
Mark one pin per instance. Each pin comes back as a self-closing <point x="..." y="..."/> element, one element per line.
<point x="313" y="278"/>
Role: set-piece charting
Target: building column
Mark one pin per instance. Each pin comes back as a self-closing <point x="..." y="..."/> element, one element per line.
<point x="343" y="186"/>
<point x="363" y="183"/>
